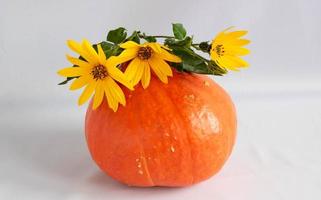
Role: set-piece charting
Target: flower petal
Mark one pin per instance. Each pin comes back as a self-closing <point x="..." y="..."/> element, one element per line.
<point x="112" y="102"/>
<point x="75" y="46"/>
<point x="162" y="65"/>
<point x="72" y="71"/>
<point x="78" y="62"/>
<point x="116" y="91"/>
<point x="101" y="55"/>
<point x="119" y="76"/>
<point x="90" y="52"/>
<point x="134" y="71"/>
<point x="159" y="73"/>
<point x="129" y="44"/>
<point x="125" y="56"/>
<point x="146" y="75"/>
<point x="238" y="42"/>
<point x="169" y="57"/>
<point x="227" y="63"/>
<point x="227" y="35"/>
<point x="86" y="94"/>
<point x="237" y="62"/>
<point x="228" y="29"/>
<point x="99" y="95"/>
<point x="78" y="48"/>
<point x="236" y="34"/>
<point x="79" y="82"/>
<point x="213" y="54"/>
<point x="155" y="46"/>
<point x="239" y="51"/>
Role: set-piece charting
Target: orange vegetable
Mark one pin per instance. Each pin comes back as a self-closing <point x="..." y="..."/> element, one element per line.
<point x="174" y="134"/>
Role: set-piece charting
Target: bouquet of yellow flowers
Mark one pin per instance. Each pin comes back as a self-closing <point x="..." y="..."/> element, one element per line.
<point x="130" y="60"/>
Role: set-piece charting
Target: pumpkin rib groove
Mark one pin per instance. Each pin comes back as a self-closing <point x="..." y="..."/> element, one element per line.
<point x="187" y="132"/>
<point x="142" y="152"/>
<point x="151" y="97"/>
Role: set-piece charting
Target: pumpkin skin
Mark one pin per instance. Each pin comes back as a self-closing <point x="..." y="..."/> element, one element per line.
<point x="174" y="134"/>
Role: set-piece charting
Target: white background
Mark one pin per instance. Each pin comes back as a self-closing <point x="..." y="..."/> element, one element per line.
<point x="43" y="154"/>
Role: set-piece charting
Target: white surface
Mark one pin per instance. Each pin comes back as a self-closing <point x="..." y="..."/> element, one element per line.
<point x="277" y="155"/>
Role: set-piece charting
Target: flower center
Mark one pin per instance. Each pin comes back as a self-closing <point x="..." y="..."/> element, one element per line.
<point x="219" y="50"/>
<point x="99" y="72"/>
<point x="144" y="53"/>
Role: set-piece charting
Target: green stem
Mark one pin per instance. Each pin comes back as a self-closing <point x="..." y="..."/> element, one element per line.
<point x="162" y="36"/>
<point x="155" y="36"/>
<point x="196" y="46"/>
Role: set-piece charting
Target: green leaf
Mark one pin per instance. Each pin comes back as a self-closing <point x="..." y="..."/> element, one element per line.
<point x="110" y="49"/>
<point x="150" y="39"/>
<point x="134" y="37"/>
<point x="106" y="45"/>
<point x="192" y="68"/>
<point x="178" y="66"/>
<point x="187" y="55"/>
<point x="199" y="69"/>
<point x="203" y="68"/>
<point x="117" y="35"/>
<point x="192" y="62"/>
<point x="215" y="69"/>
<point x="187" y="42"/>
<point x="179" y="31"/>
<point x="189" y="59"/>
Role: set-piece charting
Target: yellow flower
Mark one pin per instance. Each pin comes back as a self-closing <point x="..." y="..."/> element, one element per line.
<point x="142" y="57"/>
<point x="227" y="47"/>
<point x="97" y="73"/>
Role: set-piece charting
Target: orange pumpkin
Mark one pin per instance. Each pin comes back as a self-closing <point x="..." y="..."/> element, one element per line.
<point x="174" y="134"/>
